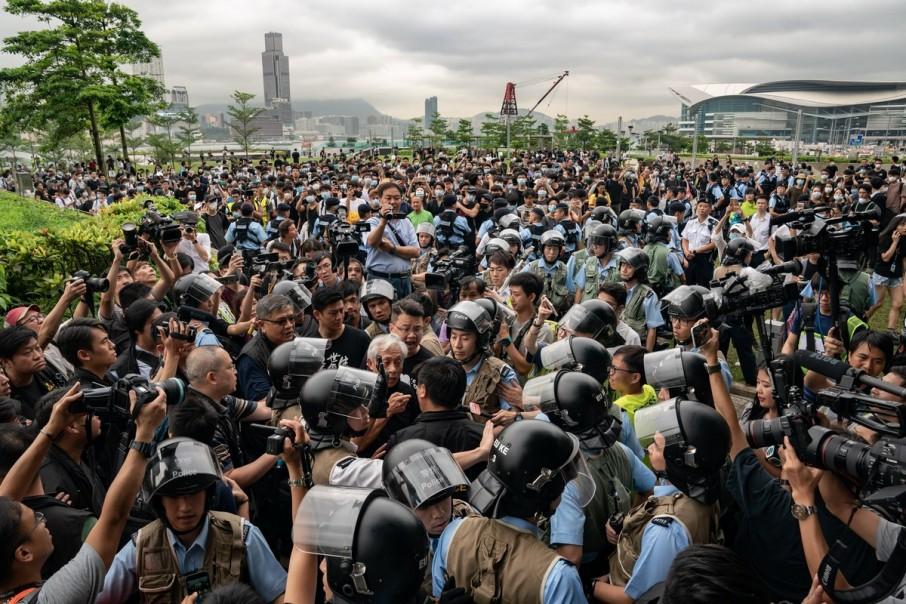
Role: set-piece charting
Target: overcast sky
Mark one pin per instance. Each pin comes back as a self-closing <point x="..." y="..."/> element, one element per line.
<point x="622" y="55"/>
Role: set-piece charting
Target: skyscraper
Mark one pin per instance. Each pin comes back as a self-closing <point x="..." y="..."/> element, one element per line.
<point x="430" y="110"/>
<point x="275" y="66"/>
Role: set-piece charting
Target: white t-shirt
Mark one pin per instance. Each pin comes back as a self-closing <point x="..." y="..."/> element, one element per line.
<point x="185" y="246"/>
<point x="761" y="231"/>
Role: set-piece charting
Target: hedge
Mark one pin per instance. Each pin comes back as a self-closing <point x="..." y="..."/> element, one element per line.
<point x="42" y="245"/>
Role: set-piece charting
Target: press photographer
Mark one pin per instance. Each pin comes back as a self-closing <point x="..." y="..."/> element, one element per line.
<point x="389" y="253"/>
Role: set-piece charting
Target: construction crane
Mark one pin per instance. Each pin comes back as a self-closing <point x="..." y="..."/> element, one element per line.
<point x="509" y="102"/>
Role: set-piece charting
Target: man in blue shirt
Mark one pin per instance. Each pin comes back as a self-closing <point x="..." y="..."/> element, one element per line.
<point x="188" y="541"/>
<point x="246" y="233"/>
<point x="530" y="465"/>
<point x="391" y="243"/>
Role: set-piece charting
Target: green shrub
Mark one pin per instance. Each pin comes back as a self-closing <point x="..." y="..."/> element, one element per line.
<point x="42" y="245"/>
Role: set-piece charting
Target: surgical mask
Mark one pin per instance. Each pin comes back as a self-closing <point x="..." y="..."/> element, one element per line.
<point x="310" y="198"/>
<point x="420" y="193"/>
<point x="838" y="197"/>
<point x="191" y="198"/>
<point x="816" y="195"/>
<point x="891" y="179"/>
<point x="735" y="235"/>
<point x="520" y="181"/>
<point x="325" y="194"/>
<point x="438" y="192"/>
<point x="470" y="198"/>
<point x="551" y="208"/>
<point x="542" y="194"/>
<point x="828" y="189"/>
<point x="212" y="205"/>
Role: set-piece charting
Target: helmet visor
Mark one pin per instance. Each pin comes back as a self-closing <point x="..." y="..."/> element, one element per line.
<point x="203" y="287"/>
<point x="658" y="418"/>
<point x="664" y="369"/>
<point x="424" y="476"/>
<point x="180" y="467"/>
<point x="577" y="475"/>
<point x="300" y="296"/>
<point x="351" y="389"/>
<point x="307" y="356"/>
<point x="326" y="521"/>
<point x="578" y="318"/>
<point x="538" y="392"/>
<point x="558" y="355"/>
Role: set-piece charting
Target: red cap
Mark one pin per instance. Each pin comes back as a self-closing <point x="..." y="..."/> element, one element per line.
<point x="17" y="314"/>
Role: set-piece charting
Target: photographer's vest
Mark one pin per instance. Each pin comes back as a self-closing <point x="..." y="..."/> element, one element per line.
<point x="554" y="282"/>
<point x="634" y="312"/>
<point x="499" y="564"/>
<point x="612" y="474"/>
<point x="483" y="389"/>
<point x="374" y="330"/>
<point x="593" y="277"/>
<point x="659" y="274"/>
<point x="698" y="520"/>
<point x="156" y="568"/>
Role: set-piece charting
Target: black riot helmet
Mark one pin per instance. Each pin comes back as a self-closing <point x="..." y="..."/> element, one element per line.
<point x="195" y="289"/>
<point x="605" y="235"/>
<point x="331" y="396"/>
<point x="576" y="403"/>
<point x="739" y="251"/>
<point x="659" y="229"/>
<point x="352" y="528"/>
<point x="697" y="441"/>
<point x="630" y="220"/>
<point x="685" y="302"/>
<point x="595" y="319"/>
<point x="553" y="238"/>
<point x="681" y="372"/>
<point x="587" y="228"/>
<point x="291" y="363"/>
<point x="637" y="259"/>
<point x="472" y="316"/>
<point x="530" y="465"/>
<point x="298" y="294"/>
<point x="576" y="352"/>
<point x="419" y="473"/>
<point x="180" y="466"/>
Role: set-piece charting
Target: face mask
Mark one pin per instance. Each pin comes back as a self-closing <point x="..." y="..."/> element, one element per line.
<point x="317" y="187"/>
<point x="823" y="177"/>
<point x="325" y="194"/>
<point x="309" y="198"/>
<point x="816" y="195"/>
<point x="237" y="214"/>
<point x="891" y="179"/>
<point x="838" y="197"/>
<point x="551" y="208"/>
<point x="735" y="235"/>
<point x="420" y="193"/>
<point x="520" y="181"/>
<point x="212" y="205"/>
<point x="438" y="192"/>
<point x="542" y="194"/>
<point x="191" y="198"/>
<point x="828" y="189"/>
<point x="470" y="198"/>
<point x="800" y="182"/>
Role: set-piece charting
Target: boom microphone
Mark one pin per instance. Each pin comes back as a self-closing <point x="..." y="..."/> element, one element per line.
<point x="843" y="374"/>
<point x="795" y="266"/>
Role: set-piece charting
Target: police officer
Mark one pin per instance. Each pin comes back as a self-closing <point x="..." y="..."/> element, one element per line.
<point x="425" y="233"/>
<point x="642" y="312"/>
<point x="300" y="296"/>
<point x="375" y="548"/>
<point x="593" y="319"/>
<point x="577" y="260"/>
<point x="323" y="222"/>
<point x="576" y="403"/>
<point x="499" y="556"/>
<point x="197" y="290"/>
<point x="600" y="266"/>
<point x="335" y="406"/>
<point x="377" y="298"/>
<point x="664" y="267"/>
<point x="681" y="512"/>
<point x="246" y="233"/>
<point x="490" y="382"/>
<point x="289" y="367"/>
<point x="451" y="229"/>
<point x="536" y="228"/>
<point x="179" y="483"/>
<point x="567" y="227"/>
<point x="557" y="284"/>
<point x="631" y="222"/>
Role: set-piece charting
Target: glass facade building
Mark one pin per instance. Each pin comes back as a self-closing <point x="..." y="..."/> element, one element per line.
<point x="836" y="113"/>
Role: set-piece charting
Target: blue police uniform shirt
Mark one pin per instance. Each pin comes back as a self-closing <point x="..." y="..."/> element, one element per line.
<point x="568" y="521"/>
<point x="256" y="237"/>
<point x="738" y="191"/>
<point x="716" y="192"/>
<point x="460" y="229"/>
<point x="576" y="231"/>
<point x="653" y="316"/>
<point x="486" y="226"/>
<point x="549" y="270"/>
<point x="507" y="376"/>
<point x="674" y="264"/>
<point x="602" y="270"/>
<point x="266" y="576"/>
<point x="628" y="436"/>
<point x="562" y="585"/>
<point x="206" y="337"/>
<point x="402" y="234"/>
<point x="660" y="545"/>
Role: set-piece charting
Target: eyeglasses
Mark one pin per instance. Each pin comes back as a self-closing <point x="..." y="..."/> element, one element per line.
<point x="612" y="370"/>
<point x="415" y="329"/>
<point x="32" y="318"/>
<point x="282" y="321"/>
<point x="40" y="519"/>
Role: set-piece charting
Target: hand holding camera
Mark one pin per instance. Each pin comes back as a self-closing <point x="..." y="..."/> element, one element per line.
<point x="65" y="411"/>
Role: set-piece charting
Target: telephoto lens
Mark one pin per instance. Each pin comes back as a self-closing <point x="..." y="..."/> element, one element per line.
<point x="767" y="432"/>
<point x="839" y="454"/>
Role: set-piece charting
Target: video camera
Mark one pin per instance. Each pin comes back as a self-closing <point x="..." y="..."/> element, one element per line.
<point x="345" y="238"/>
<point x="748" y="291"/>
<point x="451" y="268"/>
<point x="112" y="402"/>
<point x="162" y="229"/>
<point x="846" y="237"/>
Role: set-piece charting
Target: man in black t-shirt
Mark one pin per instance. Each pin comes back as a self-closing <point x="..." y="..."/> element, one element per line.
<point x="348" y="346"/>
<point x="23" y="363"/>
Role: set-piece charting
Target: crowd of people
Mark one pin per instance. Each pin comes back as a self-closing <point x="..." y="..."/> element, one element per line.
<point x="459" y="377"/>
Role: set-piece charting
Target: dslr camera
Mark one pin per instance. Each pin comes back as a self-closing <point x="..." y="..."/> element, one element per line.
<point x="112" y="402"/>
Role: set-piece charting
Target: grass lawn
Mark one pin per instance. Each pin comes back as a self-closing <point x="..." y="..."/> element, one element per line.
<point x="20" y="214"/>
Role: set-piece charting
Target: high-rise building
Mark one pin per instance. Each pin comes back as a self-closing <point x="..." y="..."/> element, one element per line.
<point x="152" y="69"/>
<point x="275" y="67"/>
<point x="430" y="110"/>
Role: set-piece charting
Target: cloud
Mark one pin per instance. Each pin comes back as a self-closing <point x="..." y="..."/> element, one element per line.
<point x="622" y="55"/>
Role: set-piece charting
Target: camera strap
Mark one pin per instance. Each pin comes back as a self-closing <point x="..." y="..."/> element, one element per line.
<point x="396" y="235"/>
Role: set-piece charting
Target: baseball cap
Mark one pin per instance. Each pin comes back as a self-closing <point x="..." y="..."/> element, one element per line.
<point x="17" y="314"/>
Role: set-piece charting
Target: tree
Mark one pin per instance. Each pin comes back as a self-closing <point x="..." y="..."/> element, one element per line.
<point x="439" y="130"/>
<point x="165" y="120"/>
<point x="585" y="132"/>
<point x="561" y="131"/>
<point x="241" y="117"/>
<point x="415" y="134"/>
<point x="71" y="80"/>
<point x="764" y="148"/>
<point x="605" y="140"/>
<point x="522" y="130"/>
<point x="189" y="131"/>
<point x="493" y="132"/>
<point x="463" y="134"/>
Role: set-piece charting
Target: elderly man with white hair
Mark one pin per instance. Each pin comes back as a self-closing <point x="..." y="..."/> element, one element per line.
<point x="389" y="351"/>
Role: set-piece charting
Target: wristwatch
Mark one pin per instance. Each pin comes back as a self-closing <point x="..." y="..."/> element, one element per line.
<point x="715" y="368"/>
<point x="146" y="449"/>
<point x="518" y="417"/>
<point x="801" y="512"/>
<point x="505" y="342"/>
